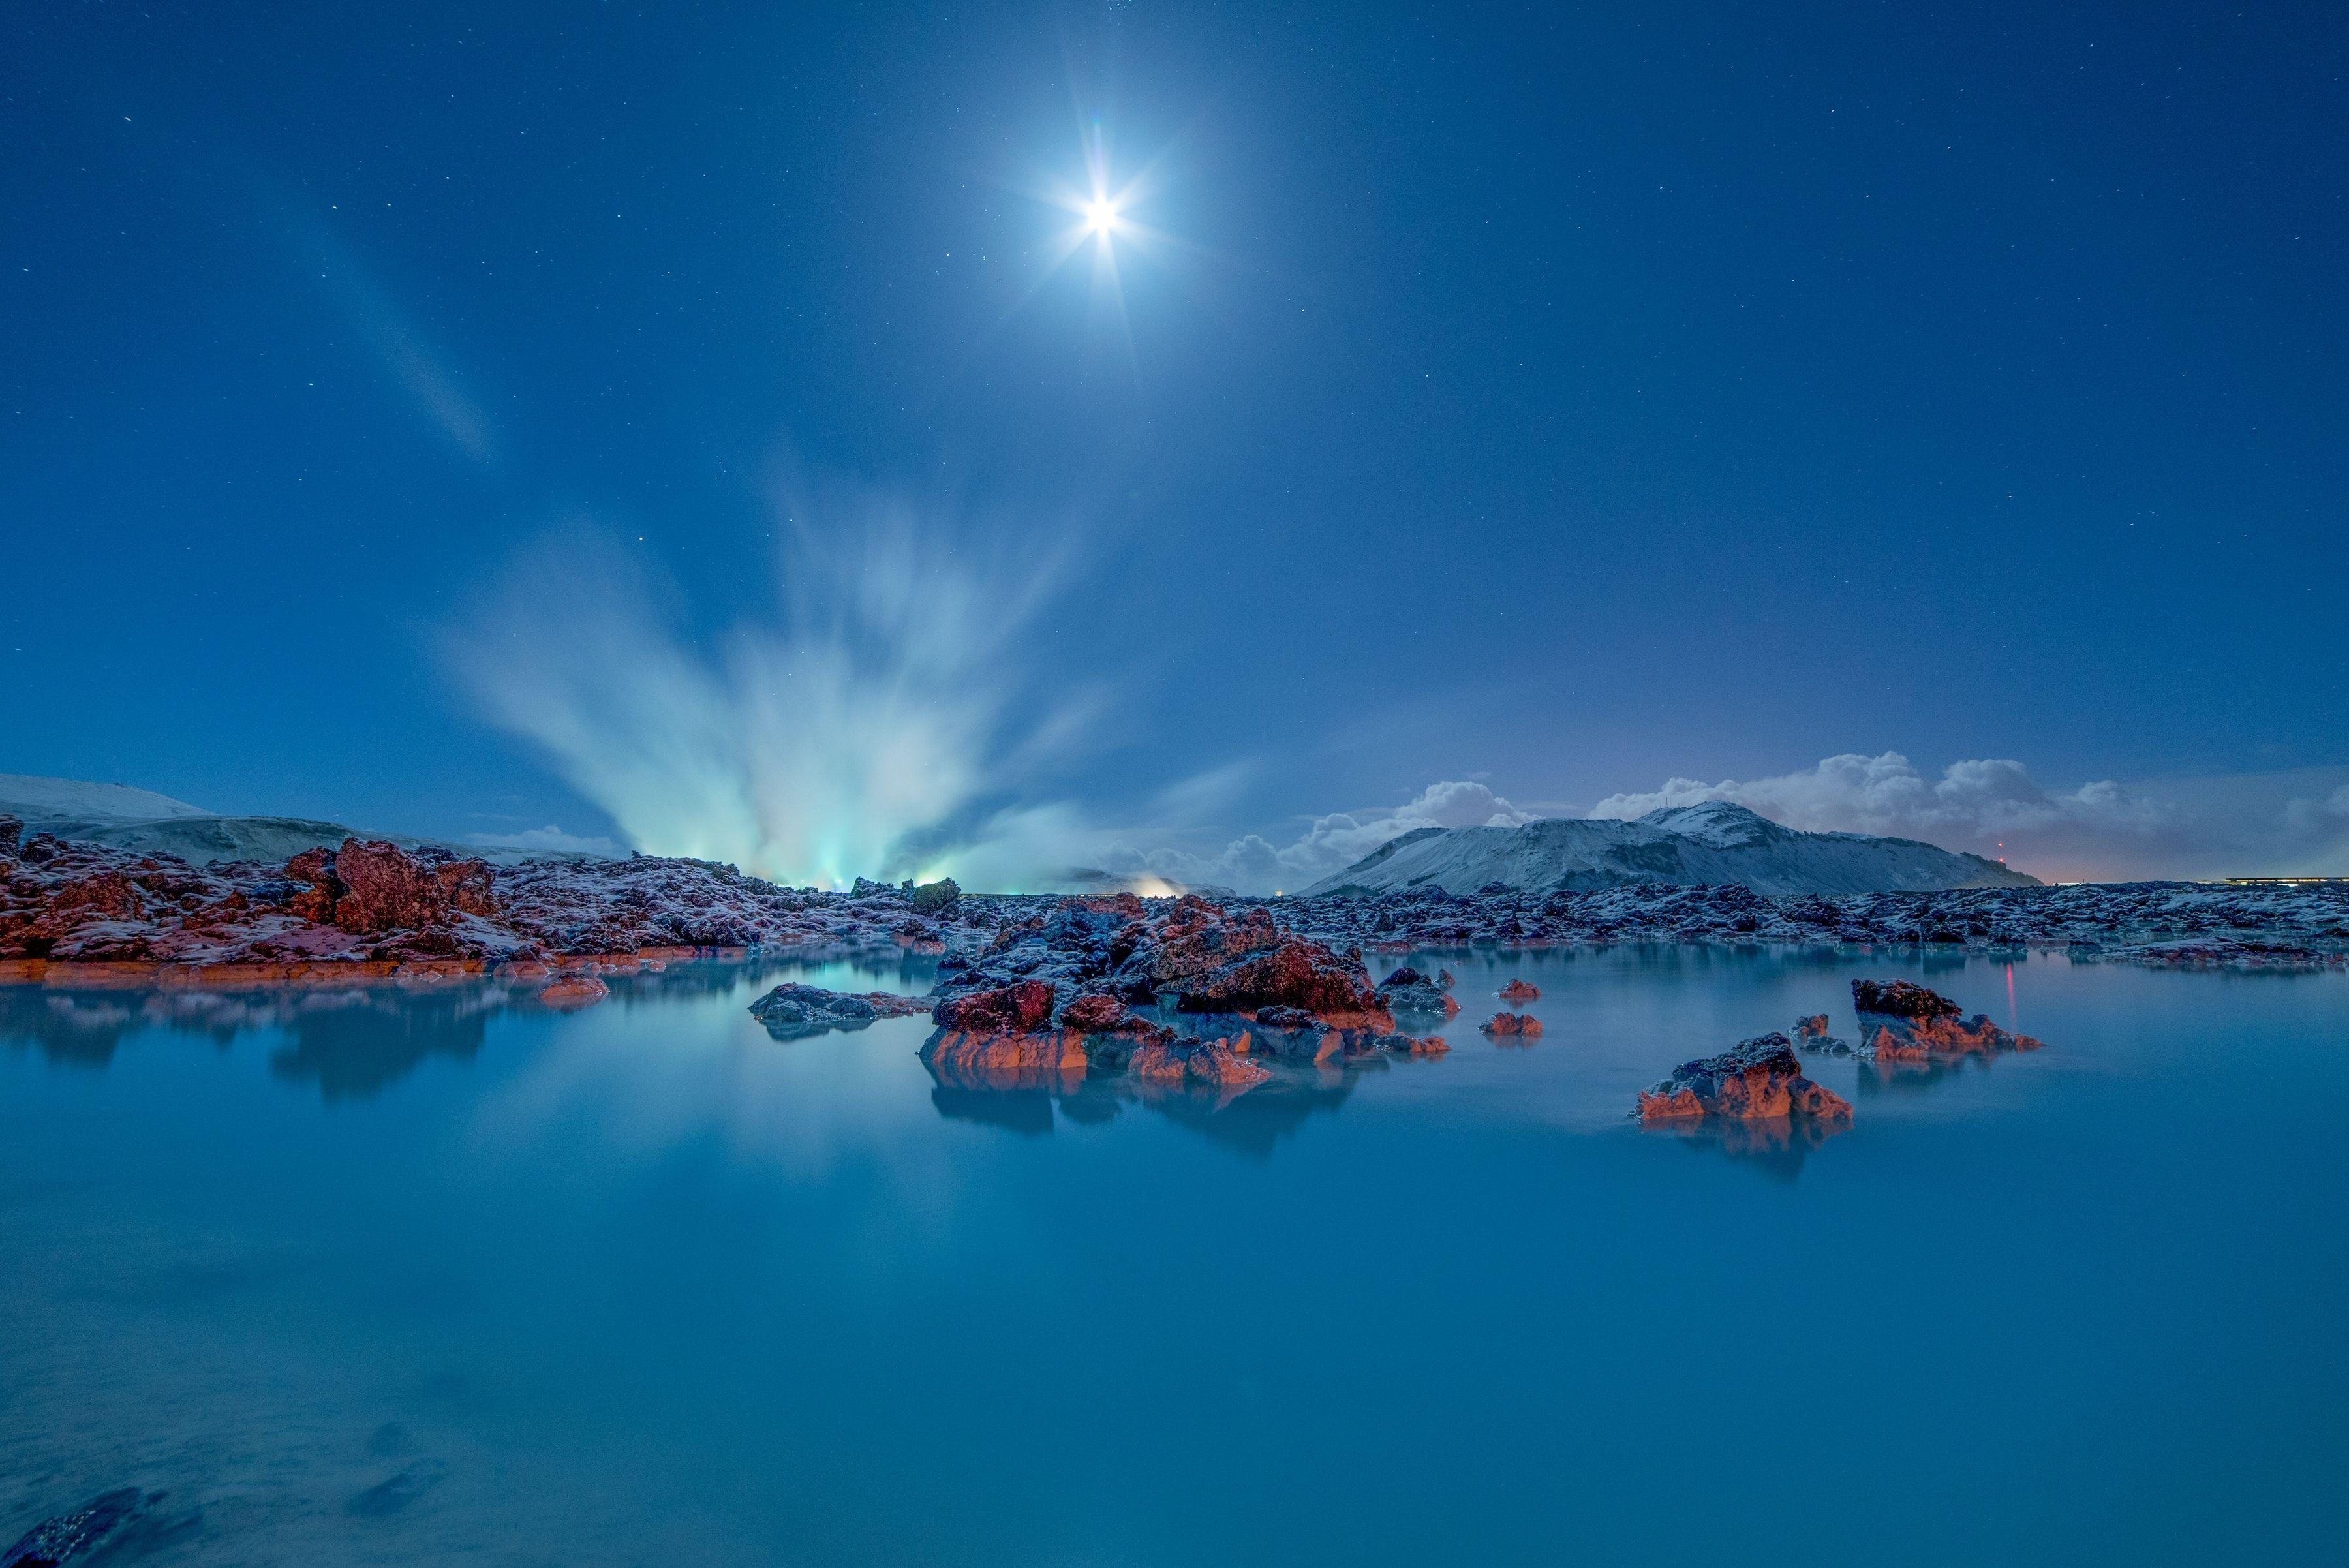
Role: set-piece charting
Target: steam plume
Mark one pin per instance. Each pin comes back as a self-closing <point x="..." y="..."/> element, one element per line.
<point x="873" y="728"/>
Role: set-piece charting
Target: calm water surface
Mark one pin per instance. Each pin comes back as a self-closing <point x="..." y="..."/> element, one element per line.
<point x="444" y="1277"/>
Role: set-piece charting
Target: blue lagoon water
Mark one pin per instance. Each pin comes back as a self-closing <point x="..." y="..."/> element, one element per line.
<point x="441" y="1276"/>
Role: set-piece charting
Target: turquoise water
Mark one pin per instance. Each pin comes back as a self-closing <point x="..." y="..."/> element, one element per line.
<point x="431" y="1278"/>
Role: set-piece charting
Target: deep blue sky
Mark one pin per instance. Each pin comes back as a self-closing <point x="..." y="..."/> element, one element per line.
<point x="1573" y="396"/>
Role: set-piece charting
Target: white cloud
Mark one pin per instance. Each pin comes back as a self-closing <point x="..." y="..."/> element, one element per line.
<point x="547" y="837"/>
<point x="1254" y="864"/>
<point x="1990" y="797"/>
<point x="2247" y="823"/>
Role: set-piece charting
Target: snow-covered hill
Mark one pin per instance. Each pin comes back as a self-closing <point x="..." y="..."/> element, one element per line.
<point x="145" y="823"/>
<point x="42" y="800"/>
<point x="1713" y="844"/>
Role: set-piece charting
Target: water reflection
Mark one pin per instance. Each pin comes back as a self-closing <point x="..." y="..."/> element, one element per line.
<point x="1776" y="1146"/>
<point x="353" y="1043"/>
<point x="1251" y="1120"/>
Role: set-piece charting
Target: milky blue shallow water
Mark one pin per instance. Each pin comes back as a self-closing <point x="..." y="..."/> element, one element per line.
<point x="639" y="1284"/>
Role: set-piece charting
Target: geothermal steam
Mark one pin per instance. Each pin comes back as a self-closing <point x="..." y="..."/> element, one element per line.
<point x="868" y="728"/>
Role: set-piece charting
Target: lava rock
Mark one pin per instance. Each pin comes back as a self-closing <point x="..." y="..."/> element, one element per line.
<point x="934" y="897"/>
<point x="1016" y="1009"/>
<point x="1901" y="999"/>
<point x="574" y="990"/>
<point x="1907" y="1022"/>
<point x="1760" y="1078"/>
<point x="1811" y="1034"/>
<point x="77" y="1535"/>
<point x="794" y="1012"/>
<point x="1214" y="1063"/>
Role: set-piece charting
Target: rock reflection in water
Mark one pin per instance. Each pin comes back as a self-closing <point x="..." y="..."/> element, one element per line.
<point x="1251" y="1120"/>
<point x="1776" y="1145"/>
<point x="354" y="1042"/>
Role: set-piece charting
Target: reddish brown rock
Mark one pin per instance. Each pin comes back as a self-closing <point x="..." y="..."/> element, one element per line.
<point x="1210" y="1062"/>
<point x="1519" y="990"/>
<point x="1296" y="973"/>
<point x="385" y="889"/>
<point x="1443" y="978"/>
<point x="1904" y="1023"/>
<point x="1515" y="1025"/>
<point x="103" y="896"/>
<point x="469" y="886"/>
<point x="1195" y="937"/>
<point x="574" y="990"/>
<point x="1096" y="1013"/>
<point x="1005" y="1010"/>
<point x="1052" y="1058"/>
<point x="1761" y="1078"/>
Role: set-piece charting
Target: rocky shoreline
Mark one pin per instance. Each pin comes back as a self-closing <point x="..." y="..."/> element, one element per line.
<point x="85" y="913"/>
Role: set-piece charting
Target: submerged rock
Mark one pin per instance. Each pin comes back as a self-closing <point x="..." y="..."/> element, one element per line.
<point x="794" y="1012"/>
<point x="1903" y="1022"/>
<point x="574" y="990"/>
<point x="77" y="1535"/>
<point x="1811" y="1034"/>
<point x="1761" y="1078"/>
<point x="399" y="1491"/>
<point x="1407" y="990"/>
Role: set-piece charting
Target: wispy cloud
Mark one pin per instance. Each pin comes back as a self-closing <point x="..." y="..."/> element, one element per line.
<point x="419" y="368"/>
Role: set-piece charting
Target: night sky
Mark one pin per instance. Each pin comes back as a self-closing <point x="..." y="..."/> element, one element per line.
<point x="1550" y="401"/>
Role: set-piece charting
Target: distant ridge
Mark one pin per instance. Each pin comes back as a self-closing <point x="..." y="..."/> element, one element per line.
<point x="39" y="799"/>
<point x="1709" y="845"/>
<point x="123" y="817"/>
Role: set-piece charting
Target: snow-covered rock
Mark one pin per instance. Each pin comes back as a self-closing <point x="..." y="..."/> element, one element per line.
<point x="1715" y="843"/>
<point x="2212" y="923"/>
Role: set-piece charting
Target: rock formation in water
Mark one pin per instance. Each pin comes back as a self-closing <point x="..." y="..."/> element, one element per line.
<point x="794" y="1012"/>
<point x="1759" y="1080"/>
<point x="1903" y="1022"/>
<point x="1069" y="992"/>
<point x="573" y="991"/>
<point x="1811" y="1033"/>
<point x="79" y="1534"/>
<point x="1713" y="844"/>
<point x="1407" y="990"/>
<point x="1512" y="1025"/>
<point x="1519" y="990"/>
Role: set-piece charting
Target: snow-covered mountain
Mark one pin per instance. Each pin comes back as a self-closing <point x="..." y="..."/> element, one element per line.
<point x="39" y="800"/>
<point x="1713" y="844"/>
<point x="145" y="823"/>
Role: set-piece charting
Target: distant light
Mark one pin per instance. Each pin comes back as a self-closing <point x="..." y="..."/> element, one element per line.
<point x="1101" y="216"/>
